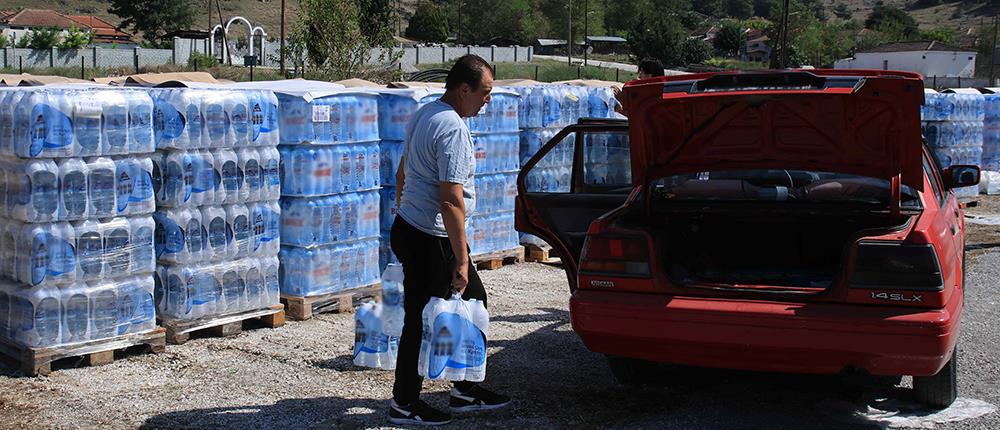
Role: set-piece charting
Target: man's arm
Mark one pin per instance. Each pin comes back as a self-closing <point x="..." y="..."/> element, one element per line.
<point x="453" y="214"/>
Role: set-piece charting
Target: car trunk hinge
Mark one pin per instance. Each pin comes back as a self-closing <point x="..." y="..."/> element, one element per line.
<point x="895" y="200"/>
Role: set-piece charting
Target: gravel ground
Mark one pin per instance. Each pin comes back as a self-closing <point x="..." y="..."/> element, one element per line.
<point x="302" y="376"/>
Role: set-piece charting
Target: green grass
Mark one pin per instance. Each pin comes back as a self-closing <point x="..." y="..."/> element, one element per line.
<point x="549" y="71"/>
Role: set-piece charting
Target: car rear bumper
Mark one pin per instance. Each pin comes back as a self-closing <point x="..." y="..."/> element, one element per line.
<point x="767" y="336"/>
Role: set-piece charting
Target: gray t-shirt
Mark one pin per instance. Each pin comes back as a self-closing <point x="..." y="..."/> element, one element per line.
<point x="438" y="148"/>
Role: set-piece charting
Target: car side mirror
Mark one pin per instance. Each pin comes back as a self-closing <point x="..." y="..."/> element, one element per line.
<point x="961" y="175"/>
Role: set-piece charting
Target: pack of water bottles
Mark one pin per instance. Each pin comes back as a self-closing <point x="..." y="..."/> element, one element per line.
<point x="310" y="170"/>
<point x="46" y="254"/>
<point x="953" y="126"/>
<point x="218" y="220"/>
<point x="71" y="189"/>
<point x="186" y="178"/>
<point x="74" y="121"/>
<point x="335" y="117"/>
<point x="311" y="271"/>
<point x="500" y="115"/>
<point x="219" y="117"/>
<point x="491" y="232"/>
<point x="327" y="220"/>
<point x="217" y="233"/>
<point x="607" y="159"/>
<point x="45" y="316"/>
<point x="373" y="348"/>
<point x="397" y="106"/>
<point x="189" y="292"/>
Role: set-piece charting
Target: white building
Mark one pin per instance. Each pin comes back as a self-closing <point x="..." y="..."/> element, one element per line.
<point x="927" y="58"/>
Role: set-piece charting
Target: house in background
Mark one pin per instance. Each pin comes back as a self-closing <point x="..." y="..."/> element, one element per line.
<point x="550" y="46"/>
<point x="929" y="58"/>
<point x="16" y="25"/>
<point x="757" y="48"/>
<point x="607" y="44"/>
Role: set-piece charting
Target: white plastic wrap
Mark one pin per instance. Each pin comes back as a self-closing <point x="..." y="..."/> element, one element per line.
<point x="218" y="176"/>
<point x="329" y="269"/>
<point x="46" y="316"/>
<point x="72" y="189"/>
<point x="216" y="233"/>
<point x="323" y="170"/>
<point x="214" y="117"/>
<point x="453" y="346"/>
<point x="372" y="346"/>
<point x="63" y="253"/>
<point x="65" y="121"/>
<point x="328" y="220"/>
<point x="188" y="292"/>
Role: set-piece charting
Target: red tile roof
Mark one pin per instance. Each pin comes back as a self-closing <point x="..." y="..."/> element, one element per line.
<point x="38" y="18"/>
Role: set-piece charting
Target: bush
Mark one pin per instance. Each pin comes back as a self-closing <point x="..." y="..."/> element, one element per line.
<point x="201" y="61"/>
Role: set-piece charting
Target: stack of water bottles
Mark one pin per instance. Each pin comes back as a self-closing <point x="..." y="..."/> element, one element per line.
<point x="330" y="201"/>
<point x="76" y="191"/>
<point x="218" y="218"/>
<point x="544" y="111"/>
<point x="990" y="182"/>
<point x="395" y="109"/>
<point x="953" y="127"/>
<point x="496" y="145"/>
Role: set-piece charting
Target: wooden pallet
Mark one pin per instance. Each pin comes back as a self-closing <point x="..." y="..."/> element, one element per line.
<point x="38" y="361"/>
<point x="302" y="308"/>
<point x="544" y="254"/>
<point x="179" y="332"/>
<point x="496" y="260"/>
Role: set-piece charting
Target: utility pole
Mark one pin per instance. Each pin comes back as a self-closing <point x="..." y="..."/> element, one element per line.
<point x="993" y="52"/>
<point x="586" y="30"/>
<point x="282" y="55"/>
<point x="784" y="36"/>
<point x="458" y="35"/>
<point x="569" y="37"/>
<point x="209" y="15"/>
<point x="225" y="42"/>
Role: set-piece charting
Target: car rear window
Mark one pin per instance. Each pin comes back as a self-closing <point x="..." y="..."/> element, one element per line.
<point x="781" y="186"/>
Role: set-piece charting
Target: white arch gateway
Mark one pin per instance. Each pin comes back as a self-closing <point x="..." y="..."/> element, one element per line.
<point x="251" y="32"/>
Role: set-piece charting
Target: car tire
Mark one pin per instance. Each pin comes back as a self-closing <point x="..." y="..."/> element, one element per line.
<point x="938" y="391"/>
<point x="630" y="371"/>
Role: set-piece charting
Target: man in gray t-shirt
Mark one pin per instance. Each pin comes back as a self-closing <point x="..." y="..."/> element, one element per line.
<point x="436" y="194"/>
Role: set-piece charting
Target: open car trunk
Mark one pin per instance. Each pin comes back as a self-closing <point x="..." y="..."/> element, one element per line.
<point x="762" y="249"/>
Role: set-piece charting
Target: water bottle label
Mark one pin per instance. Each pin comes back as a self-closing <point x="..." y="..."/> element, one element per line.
<point x="256" y="118"/>
<point x="321" y="113"/>
<point x="270" y="119"/>
<point x="215" y="118"/>
<point x="217" y="233"/>
<point x="258" y="230"/>
<point x="124" y="188"/>
<point x="39" y="258"/>
<point x="230" y="180"/>
<point x="44" y="193"/>
<point x="116" y="251"/>
<point x="77" y="314"/>
<point x="241" y="230"/>
<point x="273" y="172"/>
<point x="252" y="173"/>
<point x="239" y="119"/>
<point x="126" y="311"/>
<point x="102" y="191"/>
<point x="63" y="258"/>
<point x="168" y="123"/>
<point x="142" y="186"/>
<point x="51" y="129"/>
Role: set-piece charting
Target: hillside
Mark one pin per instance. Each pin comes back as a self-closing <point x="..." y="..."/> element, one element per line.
<point x="960" y="15"/>
<point x="265" y="13"/>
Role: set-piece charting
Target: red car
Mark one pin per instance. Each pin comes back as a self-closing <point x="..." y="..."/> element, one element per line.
<point x="788" y="221"/>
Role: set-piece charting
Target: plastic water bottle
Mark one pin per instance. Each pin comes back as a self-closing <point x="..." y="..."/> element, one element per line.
<point x="134" y="186"/>
<point x="255" y="285"/>
<point x="37" y="192"/>
<point x="272" y="229"/>
<point x="248" y="173"/>
<point x="294" y="120"/>
<point x="33" y="254"/>
<point x="270" y="270"/>
<point x="140" y="122"/>
<point x="238" y="226"/>
<point x="214" y="222"/>
<point x="141" y="230"/>
<point x="87" y="110"/>
<point x="271" y="173"/>
<point x="75" y="313"/>
<point x="36" y="316"/>
<point x="230" y="181"/>
<point x="102" y="183"/>
<point x="392" y="300"/>
<point x="240" y="132"/>
<point x="234" y="288"/>
<point x="73" y="200"/>
<point x="89" y="250"/>
<point x="9" y="232"/>
<point x="204" y="187"/>
<point x="117" y="247"/>
<point x="216" y="122"/>
<point x="50" y="130"/>
<point x="346" y="167"/>
<point x="372" y="171"/>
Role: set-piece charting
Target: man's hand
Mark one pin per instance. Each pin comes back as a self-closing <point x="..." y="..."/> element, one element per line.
<point x="460" y="279"/>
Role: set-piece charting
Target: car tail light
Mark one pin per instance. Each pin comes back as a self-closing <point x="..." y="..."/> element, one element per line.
<point x="618" y="255"/>
<point x="896" y="266"/>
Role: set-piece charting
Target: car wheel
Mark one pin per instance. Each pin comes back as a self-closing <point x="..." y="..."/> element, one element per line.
<point x="631" y="371"/>
<point x="940" y="390"/>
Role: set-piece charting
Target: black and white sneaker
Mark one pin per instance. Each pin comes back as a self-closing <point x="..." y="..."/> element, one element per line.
<point x="417" y="413"/>
<point x="476" y="399"/>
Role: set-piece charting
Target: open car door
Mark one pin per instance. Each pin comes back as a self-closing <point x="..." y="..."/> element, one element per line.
<point x="581" y="174"/>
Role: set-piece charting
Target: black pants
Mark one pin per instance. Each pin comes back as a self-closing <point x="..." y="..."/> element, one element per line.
<point x="428" y="265"/>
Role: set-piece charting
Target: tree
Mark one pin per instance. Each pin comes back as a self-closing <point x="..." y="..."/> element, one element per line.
<point x="716" y="8"/>
<point x="556" y="18"/>
<point x="694" y="51"/>
<point x="41" y="38"/>
<point x="940" y="34"/>
<point x="76" y="39"/>
<point x="740" y="8"/>
<point x="842" y="12"/>
<point x="620" y="17"/>
<point x="429" y="24"/>
<point x="379" y="21"/>
<point x="514" y="19"/>
<point x="885" y="17"/>
<point x="153" y="18"/>
<point x="730" y="39"/>
<point x="329" y="35"/>
<point x="822" y="44"/>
